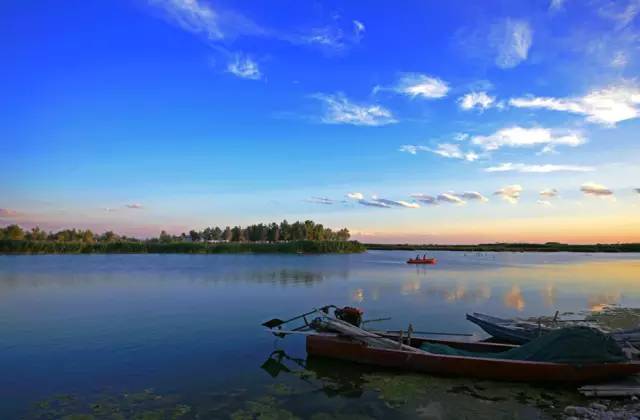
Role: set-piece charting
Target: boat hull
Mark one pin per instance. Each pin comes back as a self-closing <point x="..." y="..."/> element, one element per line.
<point x="483" y="368"/>
<point x="492" y="327"/>
<point x="428" y="261"/>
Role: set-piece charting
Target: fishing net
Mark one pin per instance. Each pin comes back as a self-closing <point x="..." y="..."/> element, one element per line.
<point x="575" y="345"/>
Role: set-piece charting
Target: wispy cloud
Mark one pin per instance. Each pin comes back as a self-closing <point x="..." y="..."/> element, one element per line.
<point x="549" y="193"/>
<point x="556" y="5"/>
<point x="136" y="206"/>
<point x="545" y="203"/>
<point x="376" y="201"/>
<point x="340" y="110"/>
<point x="373" y="203"/>
<point x="593" y="189"/>
<point x="355" y="196"/>
<point x="473" y="196"/>
<point x="528" y="137"/>
<point x="621" y="12"/>
<point x="511" y="39"/>
<point x="416" y="85"/>
<point x="396" y="203"/>
<point x="476" y="100"/>
<point x="358" y="29"/>
<point x="244" y="67"/>
<point x="320" y="200"/>
<point x="510" y="193"/>
<point x="425" y="198"/>
<point x="606" y="106"/>
<point x="547" y="168"/>
<point x="447" y="150"/>
<point x="8" y="213"/>
<point x="450" y="198"/>
<point x="619" y="60"/>
<point x="637" y="190"/>
<point x="200" y="18"/>
<point x="450" y="150"/>
<point x="192" y="15"/>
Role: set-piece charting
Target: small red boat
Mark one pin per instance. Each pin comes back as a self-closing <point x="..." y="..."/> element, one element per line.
<point x="422" y="261"/>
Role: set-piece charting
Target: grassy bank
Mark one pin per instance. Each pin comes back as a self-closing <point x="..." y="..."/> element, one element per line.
<point x="141" y="247"/>
<point x="511" y="247"/>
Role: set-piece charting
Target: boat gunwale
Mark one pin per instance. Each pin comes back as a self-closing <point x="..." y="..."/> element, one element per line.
<point x="346" y="340"/>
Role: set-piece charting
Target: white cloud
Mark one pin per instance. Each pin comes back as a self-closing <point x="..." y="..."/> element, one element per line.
<point x="376" y="201"/>
<point x="358" y="29"/>
<point x="479" y="100"/>
<point x="545" y="203"/>
<point x="591" y="188"/>
<point x="549" y="193"/>
<point x="512" y="40"/>
<point x="450" y="198"/>
<point x="339" y="110"/>
<point x="418" y="85"/>
<point x="320" y="200"/>
<point x="373" y="203"/>
<point x="413" y="149"/>
<point x="136" y="206"/>
<point x="473" y="195"/>
<point x="355" y="196"/>
<point x="244" y="67"/>
<point x="527" y="137"/>
<point x="447" y="150"/>
<point x="396" y="203"/>
<point x="424" y="198"/>
<point x="510" y="193"/>
<point x="540" y="169"/>
<point x="606" y="106"/>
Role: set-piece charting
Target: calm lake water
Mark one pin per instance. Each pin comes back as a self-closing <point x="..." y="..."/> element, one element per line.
<point x="179" y="335"/>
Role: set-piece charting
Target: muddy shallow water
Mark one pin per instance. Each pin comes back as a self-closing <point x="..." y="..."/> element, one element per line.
<point x="178" y="336"/>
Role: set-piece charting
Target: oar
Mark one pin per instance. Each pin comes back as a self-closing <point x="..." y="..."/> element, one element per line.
<point x="275" y="322"/>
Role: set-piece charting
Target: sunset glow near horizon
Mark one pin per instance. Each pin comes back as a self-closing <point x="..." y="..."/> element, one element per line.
<point x="433" y="122"/>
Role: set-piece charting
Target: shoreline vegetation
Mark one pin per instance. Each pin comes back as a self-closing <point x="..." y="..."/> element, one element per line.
<point x="511" y="247"/>
<point x="299" y="237"/>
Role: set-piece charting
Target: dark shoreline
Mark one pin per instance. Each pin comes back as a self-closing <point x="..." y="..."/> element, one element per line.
<point x="511" y="247"/>
<point x="11" y="247"/>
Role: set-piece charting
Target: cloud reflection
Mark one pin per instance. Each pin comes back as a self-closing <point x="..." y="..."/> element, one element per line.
<point x="513" y="298"/>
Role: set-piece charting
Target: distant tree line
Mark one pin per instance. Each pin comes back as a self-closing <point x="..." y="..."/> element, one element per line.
<point x="271" y="232"/>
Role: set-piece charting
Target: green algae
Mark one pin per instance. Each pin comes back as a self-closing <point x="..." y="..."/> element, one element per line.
<point x="614" y="318"/>
<point x="264" y="408"/>
<point x="145" y="405"/>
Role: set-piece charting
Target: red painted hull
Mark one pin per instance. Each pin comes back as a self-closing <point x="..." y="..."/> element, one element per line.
<point x="484" y="368"/>
<point x="429" y="261"/>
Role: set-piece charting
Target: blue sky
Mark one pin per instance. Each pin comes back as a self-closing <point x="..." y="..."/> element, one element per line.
<point x="143" y="115"/>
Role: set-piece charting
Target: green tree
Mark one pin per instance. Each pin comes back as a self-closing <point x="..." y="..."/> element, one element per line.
<point x="14" y="232"/>
<point x="195" y="236"/>
<point x="87" y="237"/>
<point x="165" y="237"/>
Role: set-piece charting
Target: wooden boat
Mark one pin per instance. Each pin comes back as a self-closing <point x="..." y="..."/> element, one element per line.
<point x="430" y="261"/>
<point x="520" y="332"/>
<point x="346" y="348"/>
<point x="329" y="336"/>
<point x="505" y="329"/>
